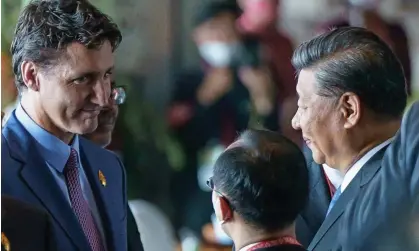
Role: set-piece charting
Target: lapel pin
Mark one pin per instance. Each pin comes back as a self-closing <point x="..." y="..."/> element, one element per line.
<point x="102" y="178"/>
<point x="5" y="242"/>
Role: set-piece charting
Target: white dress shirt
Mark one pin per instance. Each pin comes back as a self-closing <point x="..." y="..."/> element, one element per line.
<point x="334" y="175"/>
<point x="353" y="171"/>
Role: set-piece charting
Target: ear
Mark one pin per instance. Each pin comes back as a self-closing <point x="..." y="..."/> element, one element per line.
<point x="350" y="107"/>
<point x="225" y="209"/>
<point x="29" y="74"/>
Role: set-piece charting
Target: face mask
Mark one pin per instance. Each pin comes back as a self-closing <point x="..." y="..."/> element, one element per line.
<point x="218" y="54"/>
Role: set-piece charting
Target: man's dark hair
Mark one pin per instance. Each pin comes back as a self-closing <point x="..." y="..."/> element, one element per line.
<point x="353" y="59"/>
<point x="264" y="178"/>
<point x="46" y="27"/>
<point x="210" y="9"/>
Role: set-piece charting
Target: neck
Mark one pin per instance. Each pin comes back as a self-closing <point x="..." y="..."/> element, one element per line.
<point x="247" y="235"/>
<point x="37" y="114"/>
<point x="358" y="144"/>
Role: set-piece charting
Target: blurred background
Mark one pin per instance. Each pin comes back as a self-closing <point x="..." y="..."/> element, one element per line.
<point x="174" y="123"/>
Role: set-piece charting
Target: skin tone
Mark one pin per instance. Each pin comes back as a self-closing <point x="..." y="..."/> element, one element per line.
<point x="107" y="119"/>
<point x="339" y="131"/>
<point x="67" y="98"/>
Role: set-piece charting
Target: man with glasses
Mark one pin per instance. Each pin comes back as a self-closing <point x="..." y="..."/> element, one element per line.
<point x="260" y="185"/>
<point x="63" y="62"/>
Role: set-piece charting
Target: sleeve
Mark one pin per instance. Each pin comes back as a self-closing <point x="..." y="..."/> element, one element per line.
<point x="381" y="216"/>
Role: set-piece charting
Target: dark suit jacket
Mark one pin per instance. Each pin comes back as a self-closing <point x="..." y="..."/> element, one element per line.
<point x="27" y="177"/>
<point x="381" y="218"/>
<point x="311" y="218"/>
<point x="326" y="237"/>
<point x="27" y="228"/>
<point x="134" y="240"/>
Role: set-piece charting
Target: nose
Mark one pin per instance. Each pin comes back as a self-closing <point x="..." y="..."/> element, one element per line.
<point x="295" y="122"/>
<point x="102" y="93"/>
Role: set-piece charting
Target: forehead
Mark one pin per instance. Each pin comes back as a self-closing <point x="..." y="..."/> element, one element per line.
<point x="306" y="85"/>
<point x="80" y="58"/>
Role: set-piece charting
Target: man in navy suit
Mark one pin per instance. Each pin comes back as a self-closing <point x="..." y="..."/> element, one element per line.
<point x="352" y="95"/>
<point x="63" y="62"/>
<point x="392" y="224"/>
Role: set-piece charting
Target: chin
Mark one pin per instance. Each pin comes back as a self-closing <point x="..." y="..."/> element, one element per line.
<point x="318" y="157"/>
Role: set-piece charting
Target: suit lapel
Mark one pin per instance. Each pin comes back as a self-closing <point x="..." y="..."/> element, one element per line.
<point x="364" y="176"/>
<point x="319" y="198"/>
<point x="41" y="182"/>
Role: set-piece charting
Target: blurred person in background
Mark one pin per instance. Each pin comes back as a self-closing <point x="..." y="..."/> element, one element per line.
<point x="346" y="78"/>
<point x="155" y="227"/>
<point x="260" y="185"/>
<point x="103" y="137"/>
<point x="364" y="13"/>
<point x="259" y="21"/>
<point x="231" y="90"/>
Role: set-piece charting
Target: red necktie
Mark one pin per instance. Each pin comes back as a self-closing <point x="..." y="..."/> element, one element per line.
<point x="79" y="204"/>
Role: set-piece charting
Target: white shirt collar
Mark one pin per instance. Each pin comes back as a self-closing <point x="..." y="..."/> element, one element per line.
<point x="353" y="171"/>
<point x="334" y="175"/>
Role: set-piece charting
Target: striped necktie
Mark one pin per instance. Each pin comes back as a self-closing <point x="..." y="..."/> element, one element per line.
<point x="334" y="199"/>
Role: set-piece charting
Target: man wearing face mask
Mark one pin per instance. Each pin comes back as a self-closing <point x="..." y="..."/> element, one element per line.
<point x="232" y="89"/>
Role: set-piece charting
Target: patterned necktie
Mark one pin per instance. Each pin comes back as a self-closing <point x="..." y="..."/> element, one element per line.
<point x="334" y="199"/>
<point x="79" y="204"/>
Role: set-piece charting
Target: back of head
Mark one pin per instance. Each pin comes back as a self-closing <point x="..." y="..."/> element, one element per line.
<point x="264" y="178"/>
<point x="46" y="27"/>
<point x="355" y="60"/>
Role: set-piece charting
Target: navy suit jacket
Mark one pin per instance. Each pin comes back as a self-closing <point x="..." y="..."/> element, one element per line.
<point x="382" y="217"/>
<point x="326" y="237"/>
<point x="312" y="217"/>
<point x="26" y="176"/>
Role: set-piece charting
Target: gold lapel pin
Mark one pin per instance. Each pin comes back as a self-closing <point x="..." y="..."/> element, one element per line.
<point x="5" y="242"/>
<point x="102" y="178"/>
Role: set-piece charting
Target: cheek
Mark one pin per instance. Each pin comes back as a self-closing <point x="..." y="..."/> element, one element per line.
<point x="306" y="121"/>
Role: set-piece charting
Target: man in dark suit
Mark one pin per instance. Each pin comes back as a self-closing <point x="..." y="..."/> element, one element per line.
<point x="384" y="217"/>
<point x="346" y="79"/>
<point x="260" y="185"/>
<point x="25" y="227"/>
<point x="103" y="137"/>
<point x="63" y="61"/>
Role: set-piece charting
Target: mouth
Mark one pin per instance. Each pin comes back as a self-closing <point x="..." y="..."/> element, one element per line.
<point x="92" y="112"/>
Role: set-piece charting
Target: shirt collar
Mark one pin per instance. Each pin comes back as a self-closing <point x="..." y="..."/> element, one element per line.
<point x="356" y="167"/>
<point x="52" y="149"/>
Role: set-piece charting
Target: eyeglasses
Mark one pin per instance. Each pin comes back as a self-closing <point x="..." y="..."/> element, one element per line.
<point x="210" y="184"/>
<point x="118" y="95"/>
